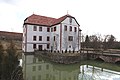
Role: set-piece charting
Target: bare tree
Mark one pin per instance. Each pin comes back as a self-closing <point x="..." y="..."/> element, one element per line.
<point x="95" y="43"/>
<point x="109" y="41"/>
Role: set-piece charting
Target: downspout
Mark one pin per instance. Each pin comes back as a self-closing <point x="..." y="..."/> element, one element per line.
<point x="60" y="37"/>
<point x="26" y="38"/>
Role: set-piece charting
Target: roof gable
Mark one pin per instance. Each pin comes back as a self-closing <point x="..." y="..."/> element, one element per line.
<point x="43" y="20"/>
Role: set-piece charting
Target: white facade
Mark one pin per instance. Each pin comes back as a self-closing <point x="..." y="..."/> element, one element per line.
<point x="59" y="39"/>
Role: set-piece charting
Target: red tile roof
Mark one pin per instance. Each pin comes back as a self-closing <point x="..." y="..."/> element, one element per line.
<point x="43" y="20"/>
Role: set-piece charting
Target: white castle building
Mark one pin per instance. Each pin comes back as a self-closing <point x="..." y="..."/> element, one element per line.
<point x="46" y="33"/>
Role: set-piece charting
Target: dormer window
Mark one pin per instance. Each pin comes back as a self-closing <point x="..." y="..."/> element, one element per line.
<point x="70" y="20"/>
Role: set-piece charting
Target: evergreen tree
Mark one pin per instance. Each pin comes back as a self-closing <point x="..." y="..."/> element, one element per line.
<point x="87" y="41"/>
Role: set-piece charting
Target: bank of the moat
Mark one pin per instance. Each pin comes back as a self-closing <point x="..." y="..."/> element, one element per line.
<point x="74" y="57"/>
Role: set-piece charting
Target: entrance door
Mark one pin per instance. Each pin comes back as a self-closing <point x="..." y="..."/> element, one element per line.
<point x="40" y="47"/>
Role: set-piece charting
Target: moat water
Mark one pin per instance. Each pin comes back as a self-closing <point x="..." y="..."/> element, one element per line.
<point x="37" y="68"/>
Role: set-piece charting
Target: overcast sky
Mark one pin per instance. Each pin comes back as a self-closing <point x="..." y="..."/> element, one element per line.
<point x="94" y="16"/>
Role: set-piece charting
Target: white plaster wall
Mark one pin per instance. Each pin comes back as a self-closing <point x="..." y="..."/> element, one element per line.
<point x="67" y="33"/>
<point x="24" y="38"/>
<point x="31" y="33"/>
<point x="57" y="35"/>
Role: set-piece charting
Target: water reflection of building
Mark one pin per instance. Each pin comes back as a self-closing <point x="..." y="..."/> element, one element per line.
<point x="37" y="69"/>
<point x="88" y="72"/>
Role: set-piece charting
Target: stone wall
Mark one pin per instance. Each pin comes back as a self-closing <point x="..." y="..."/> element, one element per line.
<point x="62" y="58"/>
<point x="6" y="43"/>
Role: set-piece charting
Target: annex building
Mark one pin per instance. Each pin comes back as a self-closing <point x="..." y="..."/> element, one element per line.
<point x="46" y="33"/>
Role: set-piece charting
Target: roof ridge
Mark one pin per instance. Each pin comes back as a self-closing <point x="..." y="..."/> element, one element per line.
<point x="43" y="16"/>
<point x="44" y="20"/>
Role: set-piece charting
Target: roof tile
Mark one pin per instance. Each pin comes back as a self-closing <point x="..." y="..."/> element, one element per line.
<point x="43" y="20"/>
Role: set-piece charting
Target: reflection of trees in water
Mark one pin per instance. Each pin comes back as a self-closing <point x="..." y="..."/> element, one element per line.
<point x="8" y="61"/>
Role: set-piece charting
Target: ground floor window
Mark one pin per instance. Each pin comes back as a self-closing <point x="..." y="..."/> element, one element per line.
<point x="40" y="47"/>
<point x="34" y="46"/>
<point x="48" y="46"/>
<point x="70" y="38"/>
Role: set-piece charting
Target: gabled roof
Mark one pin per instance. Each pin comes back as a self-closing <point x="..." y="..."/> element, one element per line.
<point x="45" y="21"/>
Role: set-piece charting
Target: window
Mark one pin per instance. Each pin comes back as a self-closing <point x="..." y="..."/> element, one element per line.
<point x="75" y="29"/>
<point x="54" y="38"/>
<point x="48" y="38"/>
<point x="39" y="67"/>
<point x="51" y="29"/>
<point x="34" y="38"/>
<point x="34" y="68"/>
<point x="70" y="38"/>
<point x="48" y="29"/>
<point x="39" y="59"/>
<point x="47" y="66"/>
<point x="70" y="20"/>
<point x="33" y="78"/>
<point x="40" y="28"/>
<point x="54" y="28"/>
<point x="34" y="46"/>
<point x="34" y="60"/>
<point x="48" y="46"/>
<point x="39" y="77"/>
<point x="40" y="38"/>
<point x="65" y="27"/>
<point x="70" y="28"/>
<point x="47" y="76"/>
<point x="35" y="28"/>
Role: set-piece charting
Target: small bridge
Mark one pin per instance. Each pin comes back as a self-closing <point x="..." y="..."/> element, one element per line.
<point x="110" y="57"/>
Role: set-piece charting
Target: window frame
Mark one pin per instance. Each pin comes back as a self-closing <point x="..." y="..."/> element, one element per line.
<point x="34" y="46"/>
<point x="54" y="38"/>
<point x="70" y="38"/>
<point x="34" y="38"/>
<point x="40" y="38"/>
<point x="48" y="29"/>
<point x="48" y="46"/>
<point x="40" y="28"/>
<point x="65" y="27"/>
<point x="55" y="28"/>
<point x="34" y="28"/>
<point x="75" y="29"/>
<point x="70" y="28"/>
<point x="48" y="38"/>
